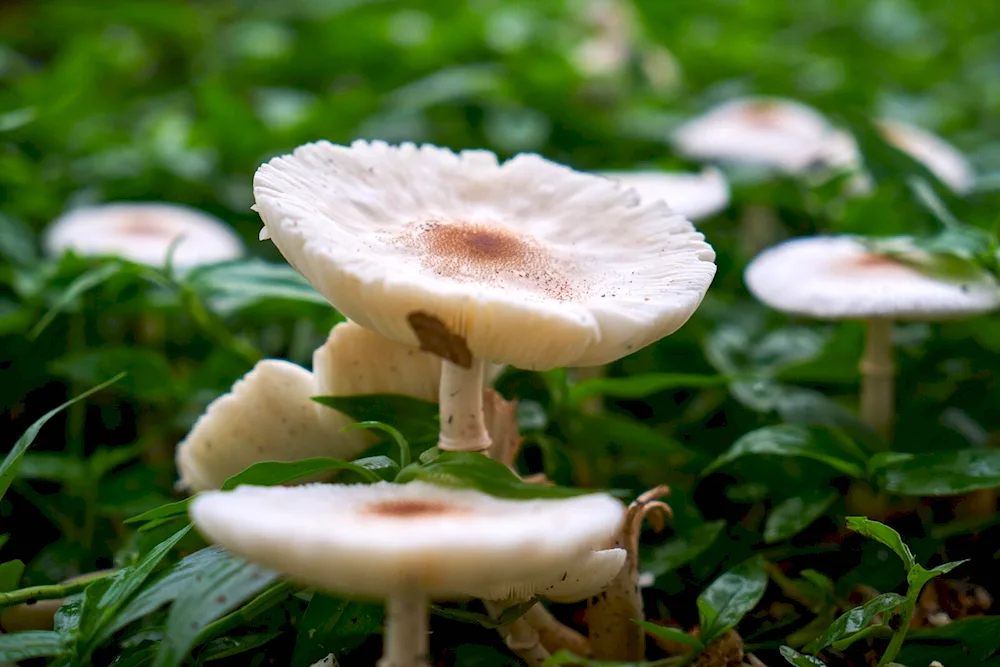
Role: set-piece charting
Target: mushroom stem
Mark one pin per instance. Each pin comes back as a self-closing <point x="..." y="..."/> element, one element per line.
<point x="519" y="636"/>
<point x="592" y="404"/>
<point x="878" y="377"/>
<point x="463" y="426"/>
<point x="554" y="635"/>
<point x="406" y="630"/>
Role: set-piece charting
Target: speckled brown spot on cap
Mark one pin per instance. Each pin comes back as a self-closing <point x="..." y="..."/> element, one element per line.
<point x="144" y="226"/>
<point x="872" y="260"/>
<point x="405" y="508"/>
<point x="763" y="113"/>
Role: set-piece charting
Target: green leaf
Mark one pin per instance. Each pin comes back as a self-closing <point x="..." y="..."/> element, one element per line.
<point x="9" y="467"/>
<point x="412" y="417"/>
<point x="730" y="597"/>
<point x="472" y="469"/>
<point x="793" y="657"/>
<point x="683" y="548"/>
<point x="942" y="473"/>
<point x="273" y="473"/>
<point x="33" y="644"/>
<point x="104" y="599"/>
<point x="149" y="376"/>
<point x="53" y="467"/>
<point x="857" y="619"/>
<point x="568" y="659"/>
<point x="226" y="647"/>
<point x="884" y="534"/>
<point x="919" y="575"/>
<point x="401" y="443"/>
<point x="233" y="286"/>
<point x="967" y="641"/>
<point x="333" y="625"/>
<point x="10" y="575"/>
<point x="641" y="386"/>
<point x="17" y="244"/>
<point x="793" y="515"/>
<point x="78" y="287"/>
<point x="221" y="588"/>
<point x="789" y="440"/>
<point x="156" y="517"/>
<point x="671" y="634"/>
<point x="383" y="466"/>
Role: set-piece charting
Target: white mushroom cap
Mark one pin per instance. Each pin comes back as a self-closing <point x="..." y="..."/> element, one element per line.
<point x="144" y="233"/>
<point x="492" y="251"/>
<point x="268" y="415"/>
<point x="771" y="132"/>
<point x="584" y="578"/>
<point x="694" y="196"/>
<point x="384" y="539"/>
<point x="941" y="158"/>
<point x="837" y="277"/>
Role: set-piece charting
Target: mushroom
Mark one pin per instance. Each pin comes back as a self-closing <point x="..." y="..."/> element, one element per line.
<point x="268" y="415"/>
<point x="403" y="543"/>
<point x="764" y="131"/>
<point x="941" y="158"/>
<point x="144" y="233"/>
<point x="694" y="196"/>
<point x="839" y="278"/>
<point x="527" y="262"/>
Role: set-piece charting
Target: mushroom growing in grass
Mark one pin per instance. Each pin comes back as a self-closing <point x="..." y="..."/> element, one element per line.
<point x="941" y="158"/>
<point x="693" y="195"/>
<point x="406" y="544"/>
<point x="269" y="414"/>
<point x="145" y="233"/>
<point x="526" y="263"/>
<point x="763" y="131"/>
<point x="840" y="278"/>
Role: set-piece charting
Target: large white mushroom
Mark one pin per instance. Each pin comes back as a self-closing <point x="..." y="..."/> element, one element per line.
<point x="695" y="196"/>
<point x="526" y="263"/>
<point x="144" y="233"/>
<point x="839" y="278"/>
<point x="405" y="544"/>
<point x="766" y="131"/>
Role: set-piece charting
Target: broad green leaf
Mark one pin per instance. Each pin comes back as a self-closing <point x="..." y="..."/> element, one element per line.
<point x="472" y="469"/>
<point x="273" y="473"/>
<point x="942" y="473"/>
<point x="149" y="377"/>
<point x="232" y="286"/>
<point x="966" y="641"/>
<point x="793" y="515"/>
<point x="226" y="647"/>
<point x="795" y="658"/>
<point x="884" y="534"/>
<point x="221" y="589"/>
<point x="53" y="467"/>
<point x="608" y="434"/>
<point x="333" y="625"/>
<point x="788" y="440"/>
<point x="155" y="518"/>
<point x="383" y="466"/>
<point x="99" y="611"/>
<point x="82" y="284"/>
<point x="10" y="575"/>
<point x="641" y="386"/>
<point x="919" y="575"/>
<point x="857" y="619"/>
<point x="397" y="437"/>
<point x="729" y="598"/>
<point x="32" y="644"/>
<point x="412" y="417"/>
<point x="671" y="634"/>
<point x="10" y="464"/>
<point x="682" y="549"/>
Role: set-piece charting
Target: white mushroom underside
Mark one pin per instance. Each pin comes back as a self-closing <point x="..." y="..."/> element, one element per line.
<point x="838" y="278"/>
<point x="382" y="538"/>
<point x="694" y="196"/>
<point x="493" y="251"/>
<point x="144" y="233"/>
<point x="778" y="133"/>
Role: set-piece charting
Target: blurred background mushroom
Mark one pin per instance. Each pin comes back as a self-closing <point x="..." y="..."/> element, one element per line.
<point x="693" y="195"/>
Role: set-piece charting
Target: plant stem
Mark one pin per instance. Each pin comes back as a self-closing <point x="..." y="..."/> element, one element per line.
<point x="878" y="377"/>
<point x="47" y="592"/>
<point x="463" y="425"/>
<point x="592" y="404"/>
<point x="519" y="636"/>
<point x="896" y="643"/>
<point x="406" y="630"/>
<point x="554" y="635"/>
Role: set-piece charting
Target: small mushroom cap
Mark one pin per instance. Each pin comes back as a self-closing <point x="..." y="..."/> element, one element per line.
<point x="941" y="158"/>
<point x="771" y="132"/>
<point x="268" y="415"/>
<point x="144" y="233"/>
<point x="490" y="250"/>
<point x="584" y="578"/>
<point x="381" y="539"/>
<point x="836" y="277"/>
<point x="694" y="196"/>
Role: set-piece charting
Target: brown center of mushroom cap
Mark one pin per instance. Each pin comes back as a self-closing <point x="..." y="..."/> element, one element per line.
<point x="489" y="254"/>
<point x="763" y="113"/>
<point x="405" y="508"/>
<point x="143" y="226"/>
<point x="871" y="260"/>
